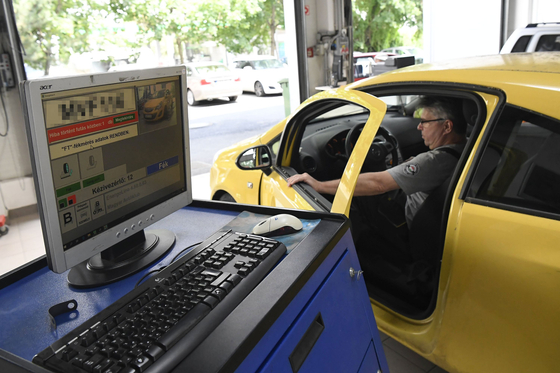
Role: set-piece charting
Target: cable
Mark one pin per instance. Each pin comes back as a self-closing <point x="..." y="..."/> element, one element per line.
<point x="162" y="268"/>
<point x="5" y="115"/>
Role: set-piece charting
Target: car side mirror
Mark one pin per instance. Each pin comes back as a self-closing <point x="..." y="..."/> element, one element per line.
<point x="256" y="158"/>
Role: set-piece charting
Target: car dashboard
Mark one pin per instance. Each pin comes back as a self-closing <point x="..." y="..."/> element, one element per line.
<point x="323" y="146"/>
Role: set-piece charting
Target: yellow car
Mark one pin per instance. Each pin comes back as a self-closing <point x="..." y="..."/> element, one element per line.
<point x="475" y="289"/>
<point x="160" y="106"/>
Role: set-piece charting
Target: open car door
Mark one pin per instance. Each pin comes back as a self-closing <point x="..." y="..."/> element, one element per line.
<point x="328" y="116"/>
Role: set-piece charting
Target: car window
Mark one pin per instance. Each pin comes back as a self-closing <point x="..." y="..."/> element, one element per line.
<point x="521" y="44"/>
<point x="519" y="167"/>
<point x="211" y="69"/>
<point x="548" y="43"/>
<point x="274" y="145"/>
<point x="341" y="111"/>
<point x="267" y="64"/>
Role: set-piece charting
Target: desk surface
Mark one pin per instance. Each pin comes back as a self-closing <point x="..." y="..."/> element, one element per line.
<point x="24" y="304"/>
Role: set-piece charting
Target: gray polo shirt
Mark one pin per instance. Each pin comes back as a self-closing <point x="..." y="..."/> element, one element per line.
<point x="419" y="176"/>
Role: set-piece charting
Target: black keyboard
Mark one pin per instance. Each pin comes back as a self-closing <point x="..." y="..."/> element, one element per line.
<point x="157" y="324"/>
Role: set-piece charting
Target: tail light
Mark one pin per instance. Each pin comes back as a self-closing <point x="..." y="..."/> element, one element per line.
<point x="204" y="82"/>
<point x="238" y="79"/>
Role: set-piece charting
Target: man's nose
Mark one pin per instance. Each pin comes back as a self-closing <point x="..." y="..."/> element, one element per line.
<point x="419" y="127"/>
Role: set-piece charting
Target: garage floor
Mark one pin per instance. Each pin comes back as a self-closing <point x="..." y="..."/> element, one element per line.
<point x="24" y="242"/>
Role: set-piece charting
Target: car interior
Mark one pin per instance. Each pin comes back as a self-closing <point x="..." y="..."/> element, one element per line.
<point x="401" y="264"/>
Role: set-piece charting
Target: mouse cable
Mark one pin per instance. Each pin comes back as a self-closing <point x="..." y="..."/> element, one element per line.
<point x="162" y="268"/>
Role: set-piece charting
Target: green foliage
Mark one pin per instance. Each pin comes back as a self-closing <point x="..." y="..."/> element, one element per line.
<point x="59" y="29"/>
<point x="377" y="23"/>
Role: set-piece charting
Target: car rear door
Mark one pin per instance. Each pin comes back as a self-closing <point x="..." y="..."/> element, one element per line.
<point x="274" y="189"/>
<point x="502" y="251"/>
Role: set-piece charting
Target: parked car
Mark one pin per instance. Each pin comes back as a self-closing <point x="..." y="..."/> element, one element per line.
<point x="535" y="37"/>
<point x="159" y="106"/>
<point x="474" y="288"/>
<point x="407" y="51"/>
<point x="261" y="74"/>
<point x="210" y="80"/>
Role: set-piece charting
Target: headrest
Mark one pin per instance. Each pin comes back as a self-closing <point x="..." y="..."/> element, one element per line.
<point x="470" y="112"/>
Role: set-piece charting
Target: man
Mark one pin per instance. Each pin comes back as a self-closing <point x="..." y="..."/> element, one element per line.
<point x="443" y="130"/>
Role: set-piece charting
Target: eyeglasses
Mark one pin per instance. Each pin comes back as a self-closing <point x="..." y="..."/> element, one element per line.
<point x="422" y="122"/>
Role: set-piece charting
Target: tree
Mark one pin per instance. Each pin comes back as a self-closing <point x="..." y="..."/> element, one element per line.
<point x="54" y="33"/>
<point x="377" y="22"/>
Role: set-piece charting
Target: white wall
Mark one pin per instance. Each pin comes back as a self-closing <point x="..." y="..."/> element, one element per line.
<point x="523" y="12"/>
<point x="459" y="28"/>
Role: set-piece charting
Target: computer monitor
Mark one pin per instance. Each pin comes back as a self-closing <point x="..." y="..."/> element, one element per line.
<point x="110" y="155"/>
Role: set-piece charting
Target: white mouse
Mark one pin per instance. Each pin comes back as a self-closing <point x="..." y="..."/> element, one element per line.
<point x="278" y="225"/>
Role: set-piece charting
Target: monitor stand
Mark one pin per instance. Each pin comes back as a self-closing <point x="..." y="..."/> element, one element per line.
<point x="123" y="259"/>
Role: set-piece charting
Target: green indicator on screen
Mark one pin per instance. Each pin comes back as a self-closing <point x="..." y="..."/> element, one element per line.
<point x="68" y="189"/>
<point x="94" y="180"/>
<point x="124" y="118"/>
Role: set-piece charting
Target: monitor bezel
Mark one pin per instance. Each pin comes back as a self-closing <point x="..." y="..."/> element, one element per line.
<point x="58" y="259"/>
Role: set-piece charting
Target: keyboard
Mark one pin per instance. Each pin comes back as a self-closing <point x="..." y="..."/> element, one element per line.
<point x="157" y="324"/>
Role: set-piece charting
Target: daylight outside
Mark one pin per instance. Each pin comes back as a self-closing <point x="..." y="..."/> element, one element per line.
<point x="92" y="36"/>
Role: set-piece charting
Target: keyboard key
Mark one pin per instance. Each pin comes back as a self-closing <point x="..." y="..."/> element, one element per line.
<point x="68" y="354"/>
<point x="219" y="293"/>
<point x="79" y="360"/>
<point x="227" y="286"/>
<point x="234" y="279"/>
<point x="141" y="363"/>
<point x="92" y="362"/>
<point x="115" y="368"/>
<point x="155" y="352"/>
<point x="104" y="364"/>
<point x="184" y="325"/>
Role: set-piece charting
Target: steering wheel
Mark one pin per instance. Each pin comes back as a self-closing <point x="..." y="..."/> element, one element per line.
<point x="383" y="144"/>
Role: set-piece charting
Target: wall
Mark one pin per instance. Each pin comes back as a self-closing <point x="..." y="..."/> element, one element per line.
<point x="458" y="28"/>
<point x="523" y="12"/>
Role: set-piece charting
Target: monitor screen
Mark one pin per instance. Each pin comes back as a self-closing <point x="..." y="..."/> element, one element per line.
<point x="110" y="157"/>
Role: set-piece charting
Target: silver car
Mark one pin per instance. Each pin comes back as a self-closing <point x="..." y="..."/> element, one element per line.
<point x="210" y="80"/>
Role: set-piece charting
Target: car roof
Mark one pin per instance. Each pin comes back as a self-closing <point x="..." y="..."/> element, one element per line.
<point x="537" y="62"/>
<point x="527" y="79"/>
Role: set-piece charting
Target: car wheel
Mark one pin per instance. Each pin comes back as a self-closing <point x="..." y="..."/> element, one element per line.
<point x="259" y="89"/>
<point x="190" y="98"/>
<point x="226" y="197"/>
<point x="232" y="98"/>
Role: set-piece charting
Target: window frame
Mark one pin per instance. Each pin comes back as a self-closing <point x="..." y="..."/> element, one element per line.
<point x="478" y="159"/>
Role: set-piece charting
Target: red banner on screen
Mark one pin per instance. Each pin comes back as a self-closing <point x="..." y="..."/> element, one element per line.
<point x="80" y="129"/>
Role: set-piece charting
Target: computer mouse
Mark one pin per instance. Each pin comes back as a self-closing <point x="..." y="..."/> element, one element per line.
<point x="278" y="225"/>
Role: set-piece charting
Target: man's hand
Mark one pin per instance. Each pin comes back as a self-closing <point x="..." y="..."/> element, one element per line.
<point x="326" y="187"/>
<point x="305" y="178"/>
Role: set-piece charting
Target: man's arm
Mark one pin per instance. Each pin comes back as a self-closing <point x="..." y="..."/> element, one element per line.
<point x="368" y="184"/>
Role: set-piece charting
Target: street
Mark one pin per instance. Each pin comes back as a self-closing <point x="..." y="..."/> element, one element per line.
<point x="217" y="124"/>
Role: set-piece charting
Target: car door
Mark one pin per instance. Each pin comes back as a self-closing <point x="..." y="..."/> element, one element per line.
<point x="274" y="189"/>
<point x="502" y="251"/>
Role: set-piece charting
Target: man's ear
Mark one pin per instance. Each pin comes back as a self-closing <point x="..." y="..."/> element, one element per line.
<point x="448" y="126"/>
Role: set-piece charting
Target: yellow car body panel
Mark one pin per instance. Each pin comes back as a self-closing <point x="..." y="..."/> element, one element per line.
<point x="225" y="177"/>
<point x="497" y="301"/>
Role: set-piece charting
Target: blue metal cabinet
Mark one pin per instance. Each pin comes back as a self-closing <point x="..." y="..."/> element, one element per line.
<point x="329" y="334"/>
